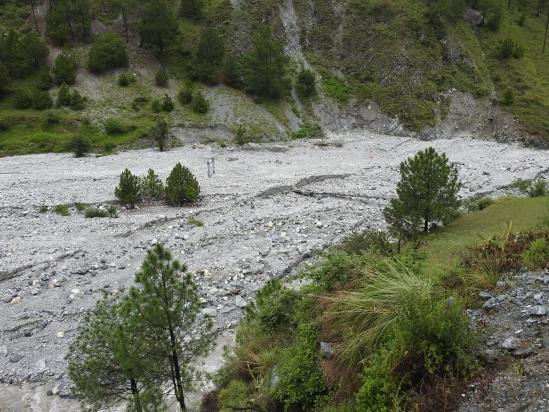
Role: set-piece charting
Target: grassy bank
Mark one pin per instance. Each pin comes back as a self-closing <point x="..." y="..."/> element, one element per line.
<point x="376" y="330"/>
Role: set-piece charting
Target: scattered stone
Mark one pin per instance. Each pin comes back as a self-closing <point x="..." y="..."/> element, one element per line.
<point x="326" y="351"/>
<point x="537" y="311"/>
<point x="15" y="300"/>
<point x="485" y="295"/>
<point x="209" y="312"/>
<point x="510" y="344"/>
<point x="240" y="302"/>
<point x="60" y="334"/>
<point x="523" y="352"/>
<point x="490" y="304"/>
<point x="15" y="357"/>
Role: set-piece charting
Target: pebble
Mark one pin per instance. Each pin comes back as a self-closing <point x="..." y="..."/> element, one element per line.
<point x="240" y="302"/>
<point x="510" y="344"/>
<point x="537" y="311"/>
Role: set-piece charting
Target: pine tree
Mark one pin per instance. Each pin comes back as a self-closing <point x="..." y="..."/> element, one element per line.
<point x="265" y="68"/>
<point x="64" y="68"/>
<point x="199" y="103"/>
<point x="161" y="134"/>
<point x="152" y="187"/>
<point x="306" y="83"/>
<point x="167" y="300"/>
<point x="68" y="20"/>
<point x="209" y="56"/>
<point x="109" y="360"/>
<point x="107" y="52"/>
<point x="427" y="191"/>
<point x="181" y="186"/>
<point x="4" y="78"/>
<point x="232" y="75"/>
<point x="157" y="25"/>
<point x="191" y="9"/>
<point x="80" y="145"/>
<point x="64" y="96"/>
<point x="128" y="191"/>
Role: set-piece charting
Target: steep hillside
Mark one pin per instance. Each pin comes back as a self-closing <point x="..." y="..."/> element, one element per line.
<point x="399" y="67"/>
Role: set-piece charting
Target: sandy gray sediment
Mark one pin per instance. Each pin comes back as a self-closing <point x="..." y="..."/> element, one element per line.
<point x="266" y="209"/>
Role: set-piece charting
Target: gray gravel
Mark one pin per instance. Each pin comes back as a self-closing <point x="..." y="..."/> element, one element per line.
<point x="264" y="212"/>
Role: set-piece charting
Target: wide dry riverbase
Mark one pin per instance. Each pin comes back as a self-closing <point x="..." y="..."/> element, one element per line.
<point x="266" y="208"/>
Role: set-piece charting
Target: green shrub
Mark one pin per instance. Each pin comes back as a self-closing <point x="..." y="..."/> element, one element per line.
<point x="161" y="134"/>
<point x="185" y="95"/>
<point x="167" y="104"/>
<point x="368" y="241"/>
<point x="508" y="97"/>
<point x="22" y="99"/>
<point x="114" y="127"/>
<point x="521" y="185"/>
<point x="123" y="80"/>
<point x="93" y="212"/>
<point x="306" y="83"/>
<point x="108" y="51"/>
<point x="43" y="209"/>
<point x="44" y="80"/>
<point x="4" y="78"/>
<point x="61" y="210"/>
<point x="78" y="102"/>
<point x="162" y="78"/>
<point x="199" y="103"/>
<point x="301" y="385"/>
<point x="235" y="395"/>
<point x="51" y="119"/>
<point x="307" y="131"/>
<point x="241" y="137"/>
<point x="156" y="106"/>
<point x="41" y="100"/>
<point x="537" y="254"/>
<point x="128" y="191"/>
<point x="181" y="186"/>
<point x="4" y="125"/>
<point x="139" y="102"/>
<point x="152" y="187"/>
<point x="195" y="222"/>
<point x="538" y="188"/>
<point x="64" y="68"/>
<point x="80" y="145"/>
<point x="508" y="48"/>
<point x="64" y="96"/>
<point x="480" y="204"/>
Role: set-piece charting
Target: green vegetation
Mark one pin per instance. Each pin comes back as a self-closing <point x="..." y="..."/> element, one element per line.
<point x="80" y="145"/>
<point x="152" y="187"/>
<point x="62" y="210"/>
<point x="69" y="21"/>
<point x="128" y="190"/>
<point x="108" y="51"/>
<point x="130" y="346"/>
<point x="199" y="103"/>
<point x="181" y="186"/>
<point x="94" y="212"/>
<point x="195" y="222"/>
<point x="64" y="68"/>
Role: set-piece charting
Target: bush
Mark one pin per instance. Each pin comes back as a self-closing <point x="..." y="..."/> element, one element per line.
<point x="64" y="96"/>
<point x="45" y="81"/>
<point x="507" y="48"/>
<point x="51" y="119"/>
<point x="61" y="210"/>
<point x="4" y="78"/>
<point x="64" y="68"/>
<point x="307" y="131"/>
<point x="41" y="100"/>
<point x="181" y="186"/>
<point x="538" y="188"/>
<point x="199" y="103"/>
<point x="480" y="204"/>
<point x="235" y="395"/>
<point x="161" y="78"/>
<point x="241" y="137"/>
<point x="161" y="134"/>
<point x="139" y="102"/>
<point x="537" y="254"/>
<point x="124" y="80"/>
<point x="167" y="104"/>
<point x="185" y="95"/>
<point x="107" y="52"/>
<point x="508" y="97"/>
<point x="4" y="125"/>
<point x="368" y="241"/>
<point x="80" y="145"/>
<point x="128" y="190"/>
<point x="22" y="99"/>
<point x="156" y="106"/>
<point x="305" y="85"/>
<point x="152" y="187"/>
<point x="78" y="101"/>
<point x="115" y="127"/>
<point x="93" y="212"/>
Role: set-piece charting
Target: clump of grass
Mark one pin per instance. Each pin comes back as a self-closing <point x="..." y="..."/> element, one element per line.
<point x="195" y="222"/>
<point x="537" y="254"/>
<point x="62" y="210"/>
<point x="479" y="204"/>
<point x="93" y="212"/>
<point x="43" y="209"/>
<point x="80" y="206"/>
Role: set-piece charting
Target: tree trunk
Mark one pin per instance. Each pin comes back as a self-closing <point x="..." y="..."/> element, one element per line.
<point x="34" y="16"/>
<point x="179" y="394"/>
<point x="135" y="393"/>
<point x="546" y="28"/>
<point x="426" y="224"/>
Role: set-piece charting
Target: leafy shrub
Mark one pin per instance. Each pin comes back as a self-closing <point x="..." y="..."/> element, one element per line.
<point x="521" y="20"/>
<point x="64" y="96"/>
<point x="115" y="127"/>
<point x="167" y="104"/>
<point x="195" y="222"/>
<point x="181" y="186"/>
<point x="308" y="130"/>
<point x="235" y="395"/>
<point x="128" y="191"/>
<point x="80" y="145"/>
<point x="78" y="101"/>
<point x="368" y="241"/>
<point x="152" y="187"/>
<point x="44" y="80"/>
<point x="41" y="100"/>
<point x="43" y="209"/>
<point x="64" y="68"/>
<point x="185" y="95"/>
<point x="61" y="210"/>
<point x="480" y="204"/>
<point x="538" y="188"/>
<point x="232" y="73"/>
<point x="123" y="80"/>
<point x="161" y="134"/>
<point x="162" y="78"/>
<point x="139" y="102"/>
<point x="537" y="254"/>
<point x="508" y="97"/>
<point x="51" y="119"/>
<point x="301" y="385"/>
<point x="4" y="78"/>
<point x="22" y="99"/>
<point x="93" y="212"/>
<point x="508" y="48"/>
<point x="156" y="106"/>
<point x="521" y="185"/>
<point x="305" y="84"/>
<point x="4" y="125"/>
<point x="199" y="103"/>
<point x="108" y="51"/>
<point x="241" y="137"/>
